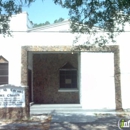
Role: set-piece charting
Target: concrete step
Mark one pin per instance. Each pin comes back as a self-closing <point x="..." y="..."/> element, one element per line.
<point x="55" y="111"/>
<point x="38" y="109"/>
<point x="58" y="108"/>
<point x="66" y="108"/>
<point x="35" y="112"/>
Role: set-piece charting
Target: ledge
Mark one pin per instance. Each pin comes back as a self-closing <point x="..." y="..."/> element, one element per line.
<point x="68" y="90"/>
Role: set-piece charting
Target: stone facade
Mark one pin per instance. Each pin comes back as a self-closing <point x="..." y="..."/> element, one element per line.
<point x="46" y="78"/>
<point x="13" y="113"/>
<point x="113" y="48"/>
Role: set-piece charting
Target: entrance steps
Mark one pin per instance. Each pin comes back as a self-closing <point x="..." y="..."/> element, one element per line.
<point x="39" y="109"/>
<point x="58" y="108"/>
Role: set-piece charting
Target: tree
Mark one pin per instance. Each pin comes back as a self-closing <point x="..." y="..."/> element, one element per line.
<point x="55" y="21"/>
<point x="84" y="14"/>
<point x="7" y="9"/>
<point x="41" y="24"/>
<point x="104" y="14"/>
<point x="10" y="7"/>
<point x="59" y="20"/>
<point x="46" y="23"/>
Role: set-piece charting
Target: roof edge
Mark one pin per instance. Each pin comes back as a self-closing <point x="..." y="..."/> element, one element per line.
<point x="50" y="25"/>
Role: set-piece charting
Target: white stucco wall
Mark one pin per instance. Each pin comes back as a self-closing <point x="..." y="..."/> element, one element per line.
<point x="97" y="80"/>
<point x="12" y="53"/>
<point x="11" y="49"/>
<point x="19" y="22"/>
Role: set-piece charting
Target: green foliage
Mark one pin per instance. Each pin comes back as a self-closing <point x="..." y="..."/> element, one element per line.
<point x="41" y="24"/>
<point x="86" y="16"/>
<point x="7" y="9"/>
<point x="104" y="14"/>
<point x="59" y="20"/>
<point x="47" y="22"/>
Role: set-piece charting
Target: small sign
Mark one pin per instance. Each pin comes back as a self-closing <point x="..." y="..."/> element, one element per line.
<point x="12" y="96"/>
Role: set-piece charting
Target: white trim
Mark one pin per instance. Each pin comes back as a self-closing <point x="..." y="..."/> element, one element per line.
<point x="68" y="90"/>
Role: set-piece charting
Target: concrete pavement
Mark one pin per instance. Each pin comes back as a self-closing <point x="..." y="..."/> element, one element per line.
<point x="85" y="122"/>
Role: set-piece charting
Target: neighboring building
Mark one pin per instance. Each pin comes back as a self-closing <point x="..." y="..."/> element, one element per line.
<point x="43" y="59"/>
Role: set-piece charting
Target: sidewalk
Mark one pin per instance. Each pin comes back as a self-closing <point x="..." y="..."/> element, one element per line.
<point x="86" y="122"/>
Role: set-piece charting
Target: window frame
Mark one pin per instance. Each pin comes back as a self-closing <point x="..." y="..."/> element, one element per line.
<point x="4" y="71"/>
<point x="68" y="72"/>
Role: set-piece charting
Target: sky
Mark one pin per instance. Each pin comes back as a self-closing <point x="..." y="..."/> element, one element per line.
<point x="41" y="11"/>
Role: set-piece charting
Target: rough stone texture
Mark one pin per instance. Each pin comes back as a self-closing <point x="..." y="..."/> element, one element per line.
<point x="28" y="124"/>
<point x="24" y="80"/>
<point x="112" y="48"/>
<point x="46" y="78"/>
<point x="27" y="104"/>
<point x="12" y="113"/>
<point x="117" y="80"/>
<point x="24" y="67"/>
<point x="3" y="60"/>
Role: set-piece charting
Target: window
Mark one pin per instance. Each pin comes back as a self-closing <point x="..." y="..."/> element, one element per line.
<point x="3" y="71"/>
<point x="68" y="76"/>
